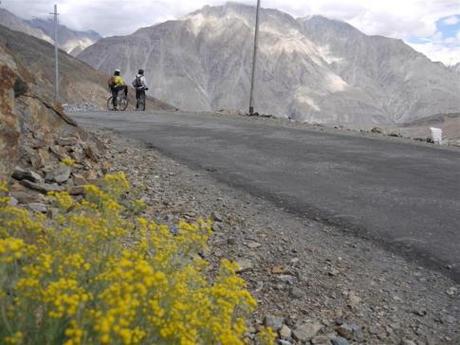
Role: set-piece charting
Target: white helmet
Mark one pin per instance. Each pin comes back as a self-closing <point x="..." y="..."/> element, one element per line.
<point x="118" y="70"/>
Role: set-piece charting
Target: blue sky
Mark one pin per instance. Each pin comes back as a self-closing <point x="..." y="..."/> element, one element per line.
<point x="429" y="26"/>
<point x="444" y="44"/>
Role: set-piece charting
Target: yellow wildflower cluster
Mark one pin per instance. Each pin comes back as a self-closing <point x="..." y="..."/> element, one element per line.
<point x="68" y="161"/>
<point x="95" y="274"/>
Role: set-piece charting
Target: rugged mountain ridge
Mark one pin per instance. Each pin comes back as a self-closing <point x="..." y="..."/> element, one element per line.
<point x="80" y="84"/>
<point x="15" y="23"/>
<point x="71" y="41"/>
<point x="313" y="69"/>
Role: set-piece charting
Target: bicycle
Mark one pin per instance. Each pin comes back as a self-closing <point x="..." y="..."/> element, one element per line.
<point x="122" y="102"/>
<point x="140" y="104"/>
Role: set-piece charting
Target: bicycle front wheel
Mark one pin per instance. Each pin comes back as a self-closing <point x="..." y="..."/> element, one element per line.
<point x="123" y="103"/>
<point x="110" y="104"/>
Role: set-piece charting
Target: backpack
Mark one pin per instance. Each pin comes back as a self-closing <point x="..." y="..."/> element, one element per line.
<point x="111" y="82"/>
<point x="137" y="82"/>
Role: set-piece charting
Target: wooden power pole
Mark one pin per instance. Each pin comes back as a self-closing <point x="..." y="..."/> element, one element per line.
<point x="254" y="61"/>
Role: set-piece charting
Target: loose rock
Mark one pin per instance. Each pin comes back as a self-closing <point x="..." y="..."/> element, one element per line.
<point x="285" y="332"/>
<point x="274" y="322"/>
<point x="244" y="265"/>
<point x="407" y="342"/>
<point x="339" y="341"/>
<point x="307" y="330"/>
<point x="29" y="175"/>
<point x="38" y="207"/>
<point x="321" y="340"/>
<point x="59" y="175"/>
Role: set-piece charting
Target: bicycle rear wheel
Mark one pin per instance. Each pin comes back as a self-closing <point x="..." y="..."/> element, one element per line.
<point x="141" y="103"/>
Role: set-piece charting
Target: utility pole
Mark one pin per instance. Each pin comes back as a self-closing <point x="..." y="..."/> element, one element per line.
<point x="254" y="61"/>
<point x="56" y="55"/>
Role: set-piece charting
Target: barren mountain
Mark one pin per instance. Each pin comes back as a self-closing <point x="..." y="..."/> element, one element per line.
<point x="79" y="82"/>
<point x="15" y="23"/>
<point x="313" y="69"/>
<point x="71" y="41"/>
<point x="456" y="68"/>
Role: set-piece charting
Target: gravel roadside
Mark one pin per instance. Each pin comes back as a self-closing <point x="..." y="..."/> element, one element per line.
<point x="315" y="283"/>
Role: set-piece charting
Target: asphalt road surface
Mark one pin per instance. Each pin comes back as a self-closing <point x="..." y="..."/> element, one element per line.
<point x="403" y="195"/>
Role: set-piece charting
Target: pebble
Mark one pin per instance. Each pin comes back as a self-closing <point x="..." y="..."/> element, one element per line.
<point x="407" y="342"/>
<point x="284" y="342"/>
<point x="348" y="330"/>
<point x="296" y="293"/>
<point x="286" y="278"/>
<point x="307" y="330"/>
<point x="253" y="245"/>
<point x="339" y="341"/>
<point x="244" y="265"/>
<point x="321" y="340"/>
<point x="38" y="207"/>
<point x="217" y="217"/>
<point x="274" y="322"/>
<point x="452" y="291"/>
<point x="285" y="332"/>
<point x="13" y="201"/>
<point x="420" y="312"/>
<point x="353" y="300"/>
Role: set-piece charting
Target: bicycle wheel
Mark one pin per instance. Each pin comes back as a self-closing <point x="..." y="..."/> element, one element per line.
<point x="110" y="104"/>
<point x="122" y="103"/>
<point x="141" y="103"/>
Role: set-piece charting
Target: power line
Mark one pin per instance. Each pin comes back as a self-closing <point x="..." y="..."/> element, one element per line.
<point x="254" y="61"/>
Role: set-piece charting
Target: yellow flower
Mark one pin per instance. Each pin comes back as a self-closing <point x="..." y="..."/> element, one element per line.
<point x="68" y="161"/>
<point x="95" y="274"/>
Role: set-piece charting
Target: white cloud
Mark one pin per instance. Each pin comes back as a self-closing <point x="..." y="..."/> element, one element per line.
<point x="454" y="20"/>
<point x="438" y="52"/>
<point x="403" y="19"/>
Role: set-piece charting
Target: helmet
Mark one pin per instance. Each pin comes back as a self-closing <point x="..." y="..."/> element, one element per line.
<point x="117" y="71"/>
<point x="141" y="72"/>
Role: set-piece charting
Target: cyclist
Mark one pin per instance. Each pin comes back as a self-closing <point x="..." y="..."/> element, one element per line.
<point x="117" y="84"/>
<point x="141" y="87"/>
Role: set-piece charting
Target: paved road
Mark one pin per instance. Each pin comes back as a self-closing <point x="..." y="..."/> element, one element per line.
<point x="403" y="195"/>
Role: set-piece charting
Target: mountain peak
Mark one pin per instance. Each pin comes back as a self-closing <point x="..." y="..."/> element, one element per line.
<point x="314" y="69"/>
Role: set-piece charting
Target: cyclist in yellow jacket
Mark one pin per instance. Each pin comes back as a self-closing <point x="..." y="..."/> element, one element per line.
<point x="117" y="84"/>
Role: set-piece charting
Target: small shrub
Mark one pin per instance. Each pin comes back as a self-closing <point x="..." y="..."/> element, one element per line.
<point x="98" y="274"/>
<point x="68" y="161"/>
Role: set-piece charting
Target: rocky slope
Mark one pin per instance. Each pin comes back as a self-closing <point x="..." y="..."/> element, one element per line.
<point x="29" y="120"/>
<point x="28" y="117"/>
<point x="456" y="68"/>
<point x="312" y="69"/>
<point x="71" y="41"/>
<point x="80" y="83"/>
